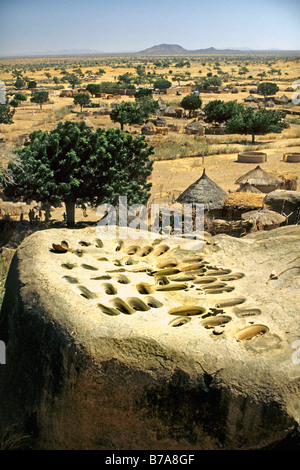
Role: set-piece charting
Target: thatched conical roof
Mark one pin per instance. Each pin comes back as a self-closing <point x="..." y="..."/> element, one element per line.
<point x="204" y="191"/>
<point x="259" y="177"/>
<point x="169" y="111"/>
<point x="264" y="217"/>
<point x="248" y="188"/>
<point x="251" y="98"/>
<point x="194" y="125"/>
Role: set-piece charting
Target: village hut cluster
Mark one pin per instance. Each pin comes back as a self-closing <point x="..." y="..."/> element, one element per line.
<point x="247" y="208"/>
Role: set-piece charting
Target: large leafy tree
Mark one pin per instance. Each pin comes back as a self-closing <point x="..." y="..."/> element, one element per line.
<point x="254" y="122"/>
<point x="40" y="97"/>
<point x="162" y="84"/>
<point x="94" y="88"/>
<point x="82" y="99"/>
<point x="73" y="165"/>
<point x="191" y="102"/>
<point x="267" y="88"/>
<point x="218" y="111"/>
<point x="127" y="113"/>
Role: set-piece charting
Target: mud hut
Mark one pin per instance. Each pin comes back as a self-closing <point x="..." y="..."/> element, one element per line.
<point x="251" y="99"/>
<point x="195" y="128"/>
<point x="148" y="129"/>
<point x="169" y="111"/>
<point x="260" y="179"/>
<point x="160" y="121"/>
<point x="264" y="219"/>
<point x="207" y="192"/>
<point x="252" y="157"/>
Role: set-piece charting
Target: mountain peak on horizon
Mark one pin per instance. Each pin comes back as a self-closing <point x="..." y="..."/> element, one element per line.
<point x="164" y="49"/>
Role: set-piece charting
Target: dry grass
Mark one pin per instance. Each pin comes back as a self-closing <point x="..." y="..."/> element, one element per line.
<point x="243" y="199"/>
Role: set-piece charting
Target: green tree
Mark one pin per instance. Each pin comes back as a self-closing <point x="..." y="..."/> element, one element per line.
<point x="73" y="80"/>
<point x="191" y="102"/>
<point x="20" y="96"/>
<point x="6" y="114"/>
<point x="82" y="99"/>
<point x="74" y="165"/>
<point x="218" y="111"/>
<point x="127" y="113"/>
<point x="19" y="83"/>
<point x="32" y="84"/>
<point x="14" y="102"/>
<point x="94" y="88"/>
<point x="40" y="97"/>
<point x="267" y="88"/>
<point x="162" y="84"/>
<point x="254" y="122"/>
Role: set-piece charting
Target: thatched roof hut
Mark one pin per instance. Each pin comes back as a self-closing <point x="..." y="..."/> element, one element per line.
<point x="234" y="90"/>
<point x="248" y="188"/>
<point x="204" y="191"/>
<point x="89" y="124"/>
<point x="161" y="103"/>
<point x="148" y="129"/>
<point x="269" y="104"/>
<point x="169" y="111"/>
<point x="160" y="121"/>
<point x="262" y="180"/>
<point x="251" y="99"/>
<point x="195" y="127"/>
<point x="264" y="219"/>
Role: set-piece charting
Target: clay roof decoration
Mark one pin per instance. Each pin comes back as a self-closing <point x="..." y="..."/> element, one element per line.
<point x="204" y="191"/>
<point x="264" y="217"/>
<point x="259" y="177"/>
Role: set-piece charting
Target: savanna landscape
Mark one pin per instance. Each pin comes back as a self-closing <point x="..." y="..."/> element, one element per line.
<point x="143" y="103"/>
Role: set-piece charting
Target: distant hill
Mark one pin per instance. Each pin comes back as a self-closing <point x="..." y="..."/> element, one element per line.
<point x="173" y="49"/>
<point x="164" y="49"/>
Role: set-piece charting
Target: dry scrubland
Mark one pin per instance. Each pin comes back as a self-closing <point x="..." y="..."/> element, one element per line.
<point x="179" y="158"/>
<point x="171" y="173"/>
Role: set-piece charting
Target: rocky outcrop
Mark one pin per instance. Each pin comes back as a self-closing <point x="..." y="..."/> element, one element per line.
<point x="152" y="344"/>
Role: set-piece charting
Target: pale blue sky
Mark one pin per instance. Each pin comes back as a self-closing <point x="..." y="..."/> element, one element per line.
<point x="32" y="26"/>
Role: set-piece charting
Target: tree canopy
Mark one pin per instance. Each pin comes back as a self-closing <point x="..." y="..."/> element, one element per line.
<point x="219" y="111"/>
<point x="40" y="97"/>
<point x="73" y="165"/>
<point x="191" y="102"/>
<point x="267" y="88"/>
<point x="82" y="99"/>
<point x="134" y="113"/>
<point x="253" y="122"/>
<point x="162" y="83"/>
<point x="6" y="114"/>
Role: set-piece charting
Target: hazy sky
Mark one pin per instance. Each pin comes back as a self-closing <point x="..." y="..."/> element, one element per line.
<point x="32" y="26"/>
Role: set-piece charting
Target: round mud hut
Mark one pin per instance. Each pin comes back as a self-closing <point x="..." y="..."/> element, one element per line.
<point x="195" y="128"/>
<point x="260" y="179"/>
<point x="252" y="157"/>
<point x="291" y="157"/>
<point x="207" y="192"/>
<point x="148" y="129"/>
<point x="263" y="219"/>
